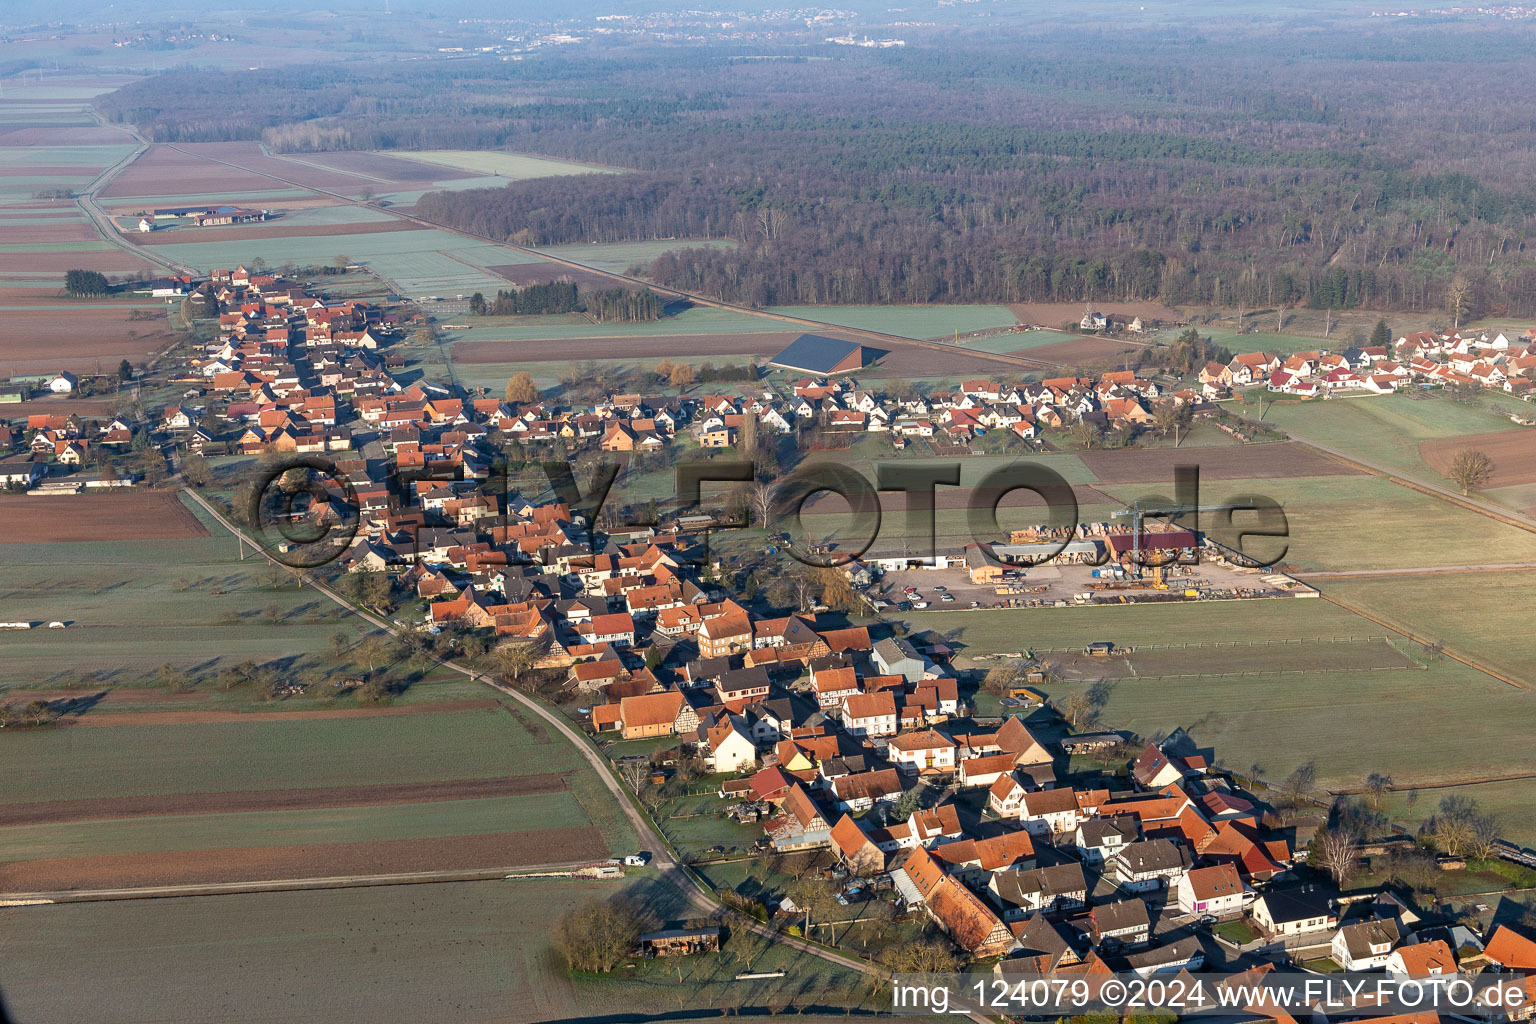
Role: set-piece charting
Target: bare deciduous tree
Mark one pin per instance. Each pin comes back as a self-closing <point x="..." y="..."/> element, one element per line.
<point x="1339" y="851"/>
<point x="1470" y="469"/>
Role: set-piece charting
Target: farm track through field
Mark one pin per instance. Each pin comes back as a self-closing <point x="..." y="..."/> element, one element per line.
<point x="276" y="799"/>
<point x="673" y="293"/>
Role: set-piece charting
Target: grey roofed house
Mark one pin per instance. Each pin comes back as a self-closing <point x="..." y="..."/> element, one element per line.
<point x="1096" y="830"/>
<point x="816" y="353"/>
<point x="1186" y="952"/>
<point x="1125" y="922"/>
<point x="896" y="657"/>
<point x="1151" y="856"/>
<point x="1288" y="905"/>
<point x="1041" y="936"/>
<point x="1362" y="935"/>
<point x="1041" y="888"/>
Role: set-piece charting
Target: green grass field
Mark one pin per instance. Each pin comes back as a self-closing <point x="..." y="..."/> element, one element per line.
<point x="909" y="321"/>
<point x="1481" y="616"/>
<point x="694" y="320"/>
<point x="476" y="952"/>
<point x="136" y="605"/>
<point x="1510" y="802"/>
<point x="65" y="763"/>
<point x="1387" y="429"/>
<point x="992" y="630"/>
<point x="1448" y="723"/>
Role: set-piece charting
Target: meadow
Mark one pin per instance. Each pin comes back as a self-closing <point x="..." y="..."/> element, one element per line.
<point x="907" y="321"/>
<point x="1483" y="616"/>
<point x="1509" y="802"/>
<point x="1387" y="429"/>
<point x="135" y="605"/>
<point x="1417" y="733"/>
<point x="475" y="951"/>
<point x="989" y="631"/>
<point x="418" y="262"/>
<point x="79" y="763"/>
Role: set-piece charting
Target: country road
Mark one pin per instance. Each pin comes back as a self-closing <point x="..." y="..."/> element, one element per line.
<point x="86" y="200"/>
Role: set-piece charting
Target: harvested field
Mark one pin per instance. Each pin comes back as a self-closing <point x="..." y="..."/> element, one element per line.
<point x="387" y="168"/>
<point x="1155" y="465"/>
<point x="143" y="515"/>
<point x="524" y="274"/>
<point x="640" y="347"/>
<point x="85" y="339"/>
<point x="1079" y="351"/>
<point x="249" y="156"/>
<point x="60" y="170"/>
<point x="322" y="860"/>
<point x="268" y="229"/>
<point x="165" y="171"/>
<point x="920" y="364"/>
<point x="64" y="406"/>
<point x="111" y="262"/>
<point x="276" y="799"/>
<point x="63" y="230"/>
<point x="247" y="717"/>
<point x="1513" y="453"/>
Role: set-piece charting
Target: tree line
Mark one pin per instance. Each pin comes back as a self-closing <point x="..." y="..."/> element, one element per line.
<point x="605" y="305"/>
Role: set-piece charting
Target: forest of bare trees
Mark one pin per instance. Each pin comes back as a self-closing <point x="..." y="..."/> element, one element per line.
<point x="1342" y="165"/>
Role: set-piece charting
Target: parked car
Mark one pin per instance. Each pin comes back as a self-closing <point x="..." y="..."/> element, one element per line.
<point x="946" y="597"/>
<point x="919" y="604"/>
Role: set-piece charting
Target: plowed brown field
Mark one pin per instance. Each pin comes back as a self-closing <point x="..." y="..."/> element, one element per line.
<point x="323" y="860"/>
<point x="50" y="519"/>
<point x="275" y="799"/>
<point x="1513" y="453"/>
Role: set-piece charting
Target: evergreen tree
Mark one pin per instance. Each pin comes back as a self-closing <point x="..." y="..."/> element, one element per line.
<point x="1381" y="335"/>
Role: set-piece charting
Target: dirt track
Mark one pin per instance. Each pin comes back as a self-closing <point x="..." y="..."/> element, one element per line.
<point x="50" y="519"/>
<point x="275" y="799"/>
<point x="1513" y="453"/>
<point x="508" y="849"/>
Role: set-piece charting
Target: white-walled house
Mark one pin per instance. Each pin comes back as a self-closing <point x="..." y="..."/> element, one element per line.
<point x="1215" y="890"/>
<point x="1364" y="945"/>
